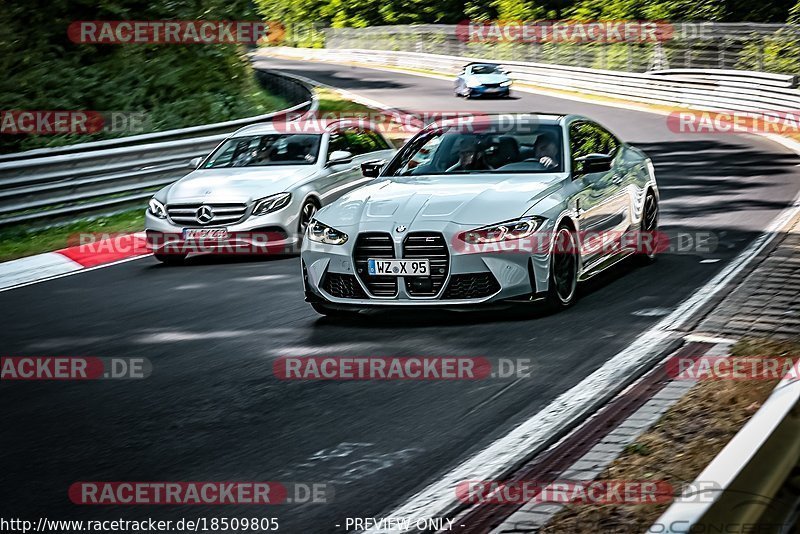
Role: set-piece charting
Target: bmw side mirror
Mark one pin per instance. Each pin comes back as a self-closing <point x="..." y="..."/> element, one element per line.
<point x="195" y="162"/>
<point x="371" y="169"/>
<point x="339" y="157"/>
<point x="592" y="163"/>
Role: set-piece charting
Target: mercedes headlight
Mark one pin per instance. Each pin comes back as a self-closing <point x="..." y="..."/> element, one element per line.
<point x="157" y="209"/>
<point x="505" y="83"/>
<point x="271" y="203"/>
<point x="322" y="233"/>
<point x="507" y="231"/>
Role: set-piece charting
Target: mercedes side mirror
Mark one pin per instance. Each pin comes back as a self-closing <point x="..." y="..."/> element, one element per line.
<point x="195" y="162"/>
<point x="338" y="157"/>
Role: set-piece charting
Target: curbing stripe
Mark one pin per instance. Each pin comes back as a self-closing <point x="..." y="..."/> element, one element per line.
<point x="71" y="260"/>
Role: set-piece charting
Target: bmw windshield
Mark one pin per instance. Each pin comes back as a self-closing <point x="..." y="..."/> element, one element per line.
<point x="451" y="150"/>
<point x="266" y="150"/>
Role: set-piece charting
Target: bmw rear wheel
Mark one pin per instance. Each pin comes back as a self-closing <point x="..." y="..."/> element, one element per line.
<point x="563" y="281"/>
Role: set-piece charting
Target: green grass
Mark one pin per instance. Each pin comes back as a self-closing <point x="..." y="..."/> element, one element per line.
<point x="26" y="240"/>
<point x="331" y="101"/>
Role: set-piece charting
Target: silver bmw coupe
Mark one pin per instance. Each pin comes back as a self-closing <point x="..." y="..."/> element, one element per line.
<point x="258" y="190"/>
<point x="500" y="208"/>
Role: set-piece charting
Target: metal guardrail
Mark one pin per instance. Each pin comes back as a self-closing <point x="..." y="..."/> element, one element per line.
<point x="713" y="90"/>
<point x="758" y="473"/>
<point x="693" y="45"/>
<point x="56" y="184"/>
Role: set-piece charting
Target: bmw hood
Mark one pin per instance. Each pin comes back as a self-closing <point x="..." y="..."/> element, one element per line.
<point x="487" y="78"/>
<point x="462" y="199"/>
<point x="236" y="184"/>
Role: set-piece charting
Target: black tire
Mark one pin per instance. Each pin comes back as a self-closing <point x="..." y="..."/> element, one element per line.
<point x="330" y="312"/>
<point x="170" y="259"/>
<point x="307" y="212"/>
<point x="649" y="231"/>
<point x="562" y="287"/>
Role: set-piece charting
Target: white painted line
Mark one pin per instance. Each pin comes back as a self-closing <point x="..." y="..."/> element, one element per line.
<point x="79" y="270"/>
<point x="510" y="450"/>
<point x="700" y="338"/>
<point x="24" y="271"/>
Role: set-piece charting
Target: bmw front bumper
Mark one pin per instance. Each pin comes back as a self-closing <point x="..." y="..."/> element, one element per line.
<point x="335" y="274"/>
<point x="490" y="91"/>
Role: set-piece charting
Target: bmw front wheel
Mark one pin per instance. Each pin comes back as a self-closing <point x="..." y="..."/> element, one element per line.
<point x="563" y="280"/>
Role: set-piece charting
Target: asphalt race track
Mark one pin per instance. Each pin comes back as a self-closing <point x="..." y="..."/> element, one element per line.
<point x="212" y="409"/>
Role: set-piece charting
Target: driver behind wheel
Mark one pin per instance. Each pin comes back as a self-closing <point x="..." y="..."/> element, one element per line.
<point x="545" y="150"/>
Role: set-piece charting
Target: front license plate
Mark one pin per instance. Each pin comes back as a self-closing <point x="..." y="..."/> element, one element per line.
<point x="195" y="234"/>
<point x="398" y="267"/>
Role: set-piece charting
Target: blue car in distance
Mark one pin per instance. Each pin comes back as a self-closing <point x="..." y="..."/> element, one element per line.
<point x="482" y="79"/>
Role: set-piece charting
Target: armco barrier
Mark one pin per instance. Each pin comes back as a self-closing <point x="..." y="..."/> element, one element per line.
<point x="61" y="183"/>
<point x="758" y="475"/>
<point x="702" y="89"/>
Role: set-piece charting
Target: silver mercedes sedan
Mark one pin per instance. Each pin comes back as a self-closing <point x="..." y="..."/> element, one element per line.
<point x="258" y="190"/>
<point x="494" y="210"/>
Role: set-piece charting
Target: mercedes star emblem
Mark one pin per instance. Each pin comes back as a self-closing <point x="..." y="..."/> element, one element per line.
<point x="204" y="214"/>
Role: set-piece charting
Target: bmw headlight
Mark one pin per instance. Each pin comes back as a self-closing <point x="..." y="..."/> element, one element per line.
<point x="156" y="209"/>
<point x="322" y="233"/>
<point x="271" y="203"/>
<point x="507" y="231"/>
<point x="505" y="83"/>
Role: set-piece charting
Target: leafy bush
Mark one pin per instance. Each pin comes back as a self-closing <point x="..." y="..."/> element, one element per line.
<point x="174" y="86"/>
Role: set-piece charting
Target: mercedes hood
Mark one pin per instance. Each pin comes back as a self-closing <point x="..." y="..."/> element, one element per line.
<point x="235" y="184"/>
